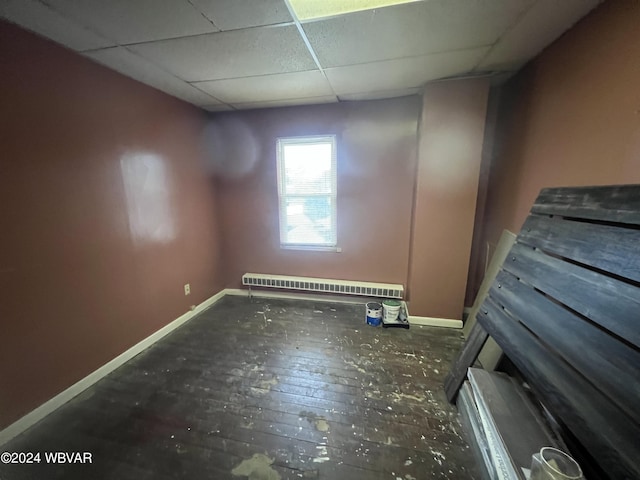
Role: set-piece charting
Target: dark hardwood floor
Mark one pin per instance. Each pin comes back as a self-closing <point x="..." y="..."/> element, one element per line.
<point x="265" y="389"/>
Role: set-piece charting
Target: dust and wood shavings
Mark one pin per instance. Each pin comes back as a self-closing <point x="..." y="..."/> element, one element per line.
<point x="322" y="450"/>
<point x="354" y="365"/>
<point x="258" y="467"/>
<point x="437" y="456"/>
<point x="267" y="384"/>
<point x="365" y="396"/>
<point x="320" y="423"/>
<point x="399" y="397"/>
<point x="258" y="392"/>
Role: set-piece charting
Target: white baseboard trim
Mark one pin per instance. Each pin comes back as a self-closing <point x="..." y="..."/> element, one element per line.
<point x="413" y="319"/>
<point x="298" y="296"/>
<point x="435" y="322"/>
<point x="63" y="397"/>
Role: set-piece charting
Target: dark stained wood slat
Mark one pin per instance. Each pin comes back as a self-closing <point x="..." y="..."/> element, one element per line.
<point x="148" y="423"/>
<point x="312" y="335"/>
<point x="167" y="411"/>
<point x="265" y="379"/>
<point x="387" y="373"/>
<point x="233" y="365"/>
<point x="565" y="310"/>
<point x="602" y="427"/>
<point x="582" y="290"/>
<point x="396" y="407"/>
<point x="222" y="400"/>
<point x="229" y="384"/>
<point x="608" y="248"/>
<point x="610" y="365"/>
<point x="606" y="203"/>
<point x="455" y="378"/>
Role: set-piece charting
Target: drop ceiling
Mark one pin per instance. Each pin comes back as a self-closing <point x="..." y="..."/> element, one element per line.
<point x="236" y="54"/>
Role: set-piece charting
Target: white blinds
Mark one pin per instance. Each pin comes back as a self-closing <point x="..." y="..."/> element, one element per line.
<point x="307" y="190"/>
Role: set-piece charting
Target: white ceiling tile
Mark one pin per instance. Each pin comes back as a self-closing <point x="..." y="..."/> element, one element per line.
<point x="269" y="87"/>
<point x="379" y="95"/>
<point x="235" y="14"/>
<point x="287" y="103"/>
<point x="539" y="27"/>
<point x="259" y="60"/>
<point x="411" y="29"/>
<point x="41" y="19"/>
<point x="217" y="107"/>
<point x="131" y="65"/>
<point x="238" y="53"/>
<point x="131" y="21"/>
<point x="403" y="72"/>
<point x="184" y="91"/>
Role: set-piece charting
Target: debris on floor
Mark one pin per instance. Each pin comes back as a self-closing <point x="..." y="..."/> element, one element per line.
<point x="256" y="467"/>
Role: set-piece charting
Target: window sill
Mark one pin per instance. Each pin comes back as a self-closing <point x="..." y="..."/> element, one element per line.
<point x="311" y="248"/>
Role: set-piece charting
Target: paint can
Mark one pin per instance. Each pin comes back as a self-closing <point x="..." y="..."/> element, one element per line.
<point x="374" y="314"/>
<point x="391" y="310"/>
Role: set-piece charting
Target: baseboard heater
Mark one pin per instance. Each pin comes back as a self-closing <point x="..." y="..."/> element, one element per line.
<point x="324" y="285"/>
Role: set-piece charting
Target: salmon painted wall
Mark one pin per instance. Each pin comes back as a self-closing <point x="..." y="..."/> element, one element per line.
<point x="105" y="213"/>
<point x="376" y="148"/>
<point x="450" y="154"/>
<point x="571" y="117"/>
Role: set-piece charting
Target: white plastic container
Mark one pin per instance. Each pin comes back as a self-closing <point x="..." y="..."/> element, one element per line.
<point x="391" y="309"/>
<point x="374" y="314"/>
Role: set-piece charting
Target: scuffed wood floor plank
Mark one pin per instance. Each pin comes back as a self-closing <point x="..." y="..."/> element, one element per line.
<point x="284" y="389"/>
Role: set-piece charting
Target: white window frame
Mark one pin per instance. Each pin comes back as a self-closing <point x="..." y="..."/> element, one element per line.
<point x="282" y="196"/>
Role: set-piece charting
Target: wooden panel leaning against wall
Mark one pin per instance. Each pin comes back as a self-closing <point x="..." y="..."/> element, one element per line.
<point x="564" y="307"/>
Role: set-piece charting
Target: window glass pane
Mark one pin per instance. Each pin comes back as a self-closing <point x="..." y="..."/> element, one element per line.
<point x="307" y="168"/>
<point x="308" y="220"/>
<point x="307" y="190"/>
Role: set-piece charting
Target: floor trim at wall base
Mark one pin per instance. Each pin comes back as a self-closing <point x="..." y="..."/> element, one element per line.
<point x="435" y="322"/>
<point x="413" y="319"/>
<point x="298" y="296"/>
<point x="63" y="397"/>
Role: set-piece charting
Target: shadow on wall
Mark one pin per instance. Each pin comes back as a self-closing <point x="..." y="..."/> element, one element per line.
<point x="510" y="143"/>
<point x="378" y="141"/>
<point x="231" y="147"/>
<point x="376" y="150"/>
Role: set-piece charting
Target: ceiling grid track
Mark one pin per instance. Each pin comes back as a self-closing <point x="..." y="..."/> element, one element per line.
<point x="306" y="41"/>
<point x="227" y="54"/>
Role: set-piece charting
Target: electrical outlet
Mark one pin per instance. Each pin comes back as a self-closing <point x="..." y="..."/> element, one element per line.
<point x="187" y="289"/>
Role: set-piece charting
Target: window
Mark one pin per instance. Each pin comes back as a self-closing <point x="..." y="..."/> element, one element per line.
<point x="307" y="191"/>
